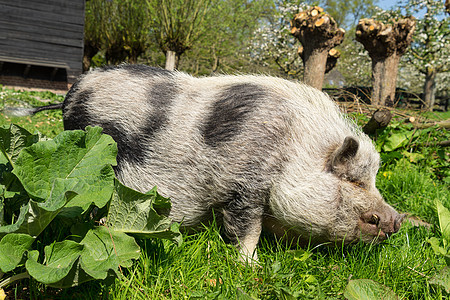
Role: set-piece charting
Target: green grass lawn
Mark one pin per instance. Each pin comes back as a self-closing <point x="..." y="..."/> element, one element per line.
<point x="48" y="122"/>
<point x="206" y="267"/>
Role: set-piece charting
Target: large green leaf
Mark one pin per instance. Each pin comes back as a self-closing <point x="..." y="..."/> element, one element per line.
<point x="63" y="177"/>
<point x="12" y="248"/>
<point x="444" y="222"/>
<point x="397" y="140"/>
<point x="99" y="255"/>
<point x="18" y="224"/>
<point x="13" y="139"/>
<point x="436" y="246"/>
<point x="143" y="215"/>
<point x="442" y="279"/>
<point x="82" y="158"/>
<point x="35" y="216"/>
<point x="105" y="250"/>
<point x="368" y="289"/>
<point x="59" y="259"/>
<point x="77" y="276"/>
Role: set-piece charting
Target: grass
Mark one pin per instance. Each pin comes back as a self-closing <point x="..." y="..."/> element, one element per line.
<point x="47" y="122"/>
<point x="206" y="267"/>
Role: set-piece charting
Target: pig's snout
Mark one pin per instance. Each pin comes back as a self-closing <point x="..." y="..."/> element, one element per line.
<point x="380" y="225"/>
<point x="398" y="222"/>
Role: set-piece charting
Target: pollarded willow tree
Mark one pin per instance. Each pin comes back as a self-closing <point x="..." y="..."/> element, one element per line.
<point x="273" y="45"/>
<point x="225" y="48"/>
<point x="118" y="28"/>
<point x="177" y="26"/>
<point x="318" y="33"/>
<point x="430" y="50"/>
<point x="386" y="43"/>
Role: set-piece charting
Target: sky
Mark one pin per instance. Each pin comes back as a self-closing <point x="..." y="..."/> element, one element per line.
<point x="386" y="4"/>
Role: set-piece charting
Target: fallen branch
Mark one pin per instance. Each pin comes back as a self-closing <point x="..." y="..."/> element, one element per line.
<point x="443" y="124"/>
<point x="442" y="144"/>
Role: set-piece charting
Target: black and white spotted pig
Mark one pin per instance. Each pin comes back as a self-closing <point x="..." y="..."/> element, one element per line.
<point x="259" y="151"/>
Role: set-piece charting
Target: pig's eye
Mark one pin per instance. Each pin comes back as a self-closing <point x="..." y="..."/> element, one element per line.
<point x="374" y="220"/>
<point x="359" y="184"/>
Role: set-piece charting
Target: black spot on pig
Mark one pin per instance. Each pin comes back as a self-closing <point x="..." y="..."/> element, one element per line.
<point x="138" y="70"/>
<point x="129" y="147"/>
<point x="230" y="111"/>
<point x="133" y="146"/>
<point x="160" y="98"/>
<point x="144" y="70"/>
<point x="81" y="118"/>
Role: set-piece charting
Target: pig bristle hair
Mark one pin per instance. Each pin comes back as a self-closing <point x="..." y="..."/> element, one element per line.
<point x="18" y="111"/>
<point x="25" y="111"/>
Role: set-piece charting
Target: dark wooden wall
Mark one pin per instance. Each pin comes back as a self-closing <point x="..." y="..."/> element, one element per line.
<point x="43" y="33"/>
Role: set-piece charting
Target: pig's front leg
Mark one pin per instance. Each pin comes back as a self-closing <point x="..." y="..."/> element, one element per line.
<point x="243" y="224"/>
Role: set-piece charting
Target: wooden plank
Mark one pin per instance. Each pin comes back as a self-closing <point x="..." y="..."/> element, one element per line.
<point x="37" y="62"/>
<point x="76" y="4"/>
<point x="41" y="7"/>
<point x="40" y="15"/>
<point x="43" y="23"/>
<point x="37" y="29"/>
<point x="45" y="50"/>
<point x="16" y="52"/>
<point x="44" y="37"/>
<point x="47" y="4"/>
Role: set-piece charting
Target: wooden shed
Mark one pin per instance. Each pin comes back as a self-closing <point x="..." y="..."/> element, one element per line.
<point x="42" y="36"/>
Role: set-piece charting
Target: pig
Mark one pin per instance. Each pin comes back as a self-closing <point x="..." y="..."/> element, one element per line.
<point x="258" y="151"/>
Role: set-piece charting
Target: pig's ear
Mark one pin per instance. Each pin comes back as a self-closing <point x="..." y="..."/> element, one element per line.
<point x="341" y="157"/>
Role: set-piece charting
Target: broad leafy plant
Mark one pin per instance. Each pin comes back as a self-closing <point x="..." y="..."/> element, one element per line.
<point x="419" y="146"/>
<point x="441" y="247"/>
<point x="64" y="217"/>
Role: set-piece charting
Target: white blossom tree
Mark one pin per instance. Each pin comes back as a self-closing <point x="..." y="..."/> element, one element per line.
<point x="355" y="63"/>
<point x="430" y="50"/>
<point x="274" y="42"/>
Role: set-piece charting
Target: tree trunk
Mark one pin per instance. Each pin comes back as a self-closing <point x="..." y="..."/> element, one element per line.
<point x="385" y="44"/>
<point x="429" y="88"/>
<point x="384" y="80"/>
<point x="318" y="33"/>
<point x="315" y="64"/>
<point x="133" y="57"/>
<point x="172" y="59"/>
<point x="332" y="57"/>
<point x="89" y="52"/>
